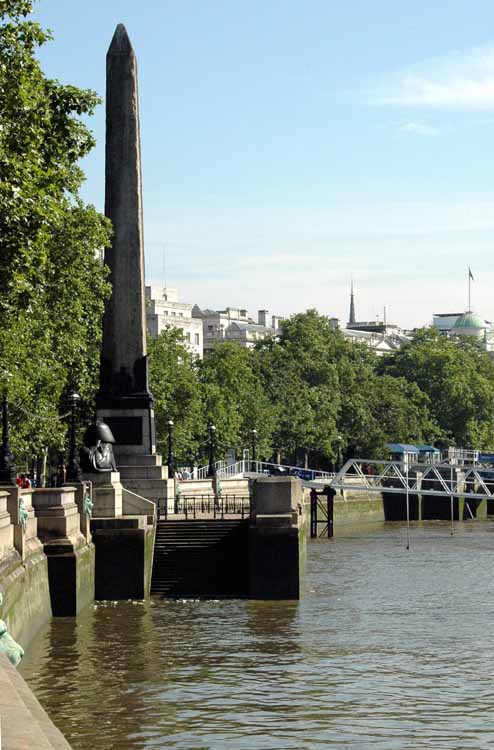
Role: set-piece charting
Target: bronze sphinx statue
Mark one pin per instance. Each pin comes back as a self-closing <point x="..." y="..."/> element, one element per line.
<point x="97" y="452"/>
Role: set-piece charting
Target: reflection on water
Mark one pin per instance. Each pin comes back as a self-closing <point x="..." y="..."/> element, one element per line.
<point x="387" y="649"/>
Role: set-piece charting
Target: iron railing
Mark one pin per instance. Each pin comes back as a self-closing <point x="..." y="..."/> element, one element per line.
<point x="207" y="505"/>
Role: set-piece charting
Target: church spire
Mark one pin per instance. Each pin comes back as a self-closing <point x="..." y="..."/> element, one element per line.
<point x="351" y="319"/>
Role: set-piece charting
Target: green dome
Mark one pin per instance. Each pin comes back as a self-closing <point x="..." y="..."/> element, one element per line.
<point x="470" y="324"/>
<point x="469" y="320"/>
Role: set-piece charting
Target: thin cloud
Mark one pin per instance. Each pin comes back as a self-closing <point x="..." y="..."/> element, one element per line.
<point x="459" y="80"/>
<point x="419" y="128"/>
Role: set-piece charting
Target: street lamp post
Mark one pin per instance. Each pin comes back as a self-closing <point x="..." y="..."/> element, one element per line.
<point x="211" y="464"/>
<point x="73" y="468"/>
<point x="8" y="469"/>
<point x="170" y="460"/>
<point x="254" y="447"/>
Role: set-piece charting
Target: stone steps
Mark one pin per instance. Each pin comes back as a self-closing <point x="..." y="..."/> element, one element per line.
<point x="200" y="558"/>
<point x="139" y="459"/>
<point x="142" y="472"/>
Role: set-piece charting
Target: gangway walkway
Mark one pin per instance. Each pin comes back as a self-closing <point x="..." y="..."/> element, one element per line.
<point x="439" y="480"/>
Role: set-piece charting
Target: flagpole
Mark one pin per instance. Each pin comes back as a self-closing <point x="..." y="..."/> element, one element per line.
<point x="469" y="286"/>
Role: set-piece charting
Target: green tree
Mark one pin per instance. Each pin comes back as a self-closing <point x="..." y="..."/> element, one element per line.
<point x="301" y="379"/>
<point x="235" y="400"/>
<point x="177" y="394"/>
<point x="52" y="283"/>
<point x="458" y="378"/>
<point x="330" y="400"/>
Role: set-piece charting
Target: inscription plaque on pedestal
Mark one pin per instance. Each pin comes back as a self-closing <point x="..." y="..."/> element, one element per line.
<point x="126" y="430"/>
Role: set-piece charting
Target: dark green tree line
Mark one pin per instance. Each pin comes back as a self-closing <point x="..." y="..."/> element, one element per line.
<point x="312" y="396"/>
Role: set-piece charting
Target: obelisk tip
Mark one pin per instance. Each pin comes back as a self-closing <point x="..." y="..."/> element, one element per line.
<point x="120" y="44"/>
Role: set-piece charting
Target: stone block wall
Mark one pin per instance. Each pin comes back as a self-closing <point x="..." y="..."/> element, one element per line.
<point x="277" y="538"/>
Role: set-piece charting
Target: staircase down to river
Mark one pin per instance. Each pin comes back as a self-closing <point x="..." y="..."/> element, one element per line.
<point x="201" y="558"/>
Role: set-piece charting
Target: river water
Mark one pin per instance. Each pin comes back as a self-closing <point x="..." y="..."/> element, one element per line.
<point x="389" y="648"/>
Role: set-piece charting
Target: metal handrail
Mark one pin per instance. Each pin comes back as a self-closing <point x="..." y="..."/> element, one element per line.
<point x="250" y="466"/>
<point x="208" y="504"/>
<point x="202" y="472"/>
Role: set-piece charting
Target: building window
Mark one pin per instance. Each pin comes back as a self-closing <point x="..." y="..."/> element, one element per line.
<point x="187" y="336"/>
<point x="180" y="315"/>
<point x="174" y="314"/>
<point x="196" y="339"/>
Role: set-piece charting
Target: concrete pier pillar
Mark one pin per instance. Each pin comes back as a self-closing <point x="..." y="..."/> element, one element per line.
<point x="277" y="538"/>
<point x="70" y="557"/>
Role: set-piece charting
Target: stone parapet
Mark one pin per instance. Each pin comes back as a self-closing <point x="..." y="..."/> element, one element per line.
<point x="106" y="493"/>
<point x="58" y="515"/>
<point x="25" y="535"/>
<point x="277" y="496"/>
<point x="152" y="489"/>
<point x="83" y="490"/>
<point x="6" y="528"/>
<point x="135" y="504"/>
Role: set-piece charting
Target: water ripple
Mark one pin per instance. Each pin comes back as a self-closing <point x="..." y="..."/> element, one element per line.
<point x="388" y="649"/>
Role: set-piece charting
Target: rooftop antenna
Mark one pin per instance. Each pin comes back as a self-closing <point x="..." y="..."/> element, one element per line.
<point x="384" y="315"/>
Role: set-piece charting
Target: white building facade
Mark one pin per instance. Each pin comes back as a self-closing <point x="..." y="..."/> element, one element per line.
<point x="234" y="324"/>
<point x="164" y="309"/>
<point x="381" y="343"/>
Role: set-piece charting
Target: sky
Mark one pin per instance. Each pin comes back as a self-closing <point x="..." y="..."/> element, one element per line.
<point x="288" y="146"/>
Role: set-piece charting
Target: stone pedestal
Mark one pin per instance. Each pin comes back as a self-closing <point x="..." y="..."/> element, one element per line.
<point x="106" y="493"/>
<point x="26" y="541"/>
<point x="6" y="528"/>
<point x="277" y="538"/>
<point x="132" y="428"/>
<point x="70" y="557"/>
<point x="81" y="490"/>
<point x="57" y="514"/>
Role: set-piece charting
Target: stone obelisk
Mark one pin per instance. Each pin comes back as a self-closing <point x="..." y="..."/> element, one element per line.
<point x="124" y="400"/>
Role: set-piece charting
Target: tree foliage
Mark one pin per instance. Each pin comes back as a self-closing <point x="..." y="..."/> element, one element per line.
<point x="458" y="379"/>
<point x="52" y="283"/>
<point x="235" y="399"/>
<point x="310" y="394"/>
<point x="175" y="385"/>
